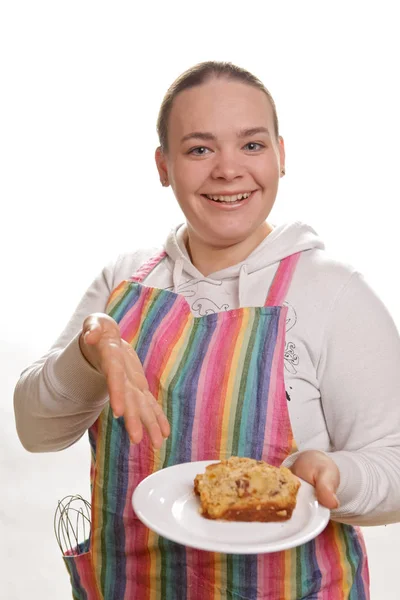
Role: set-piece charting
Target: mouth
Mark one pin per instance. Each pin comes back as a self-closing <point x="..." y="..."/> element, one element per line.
<point x="230" y="200"/>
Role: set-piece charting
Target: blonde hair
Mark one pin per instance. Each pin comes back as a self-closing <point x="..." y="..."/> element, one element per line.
<point x="201" y="73"/>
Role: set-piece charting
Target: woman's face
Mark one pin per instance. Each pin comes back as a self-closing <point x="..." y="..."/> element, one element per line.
<point x="223" y="161"/>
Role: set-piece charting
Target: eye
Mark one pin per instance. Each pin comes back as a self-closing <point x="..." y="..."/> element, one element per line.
<point x="199" y="151"/>
<point x="254" y="146"/>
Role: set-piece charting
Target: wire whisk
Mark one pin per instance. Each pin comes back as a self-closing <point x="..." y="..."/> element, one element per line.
<point x="72" y="525"/>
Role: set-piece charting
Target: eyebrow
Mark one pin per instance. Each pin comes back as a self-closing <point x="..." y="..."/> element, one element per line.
<point x="205" y="136"/>
<point x="253" y="131"/>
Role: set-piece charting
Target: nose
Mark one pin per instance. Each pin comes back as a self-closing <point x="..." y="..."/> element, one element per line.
<point x="227" y="166"/>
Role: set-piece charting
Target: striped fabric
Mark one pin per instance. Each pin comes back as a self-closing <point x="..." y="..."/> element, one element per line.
<point x="220" y="380"/>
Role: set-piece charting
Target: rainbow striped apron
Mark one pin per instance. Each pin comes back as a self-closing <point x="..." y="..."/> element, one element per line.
<point x="220" y="380"/>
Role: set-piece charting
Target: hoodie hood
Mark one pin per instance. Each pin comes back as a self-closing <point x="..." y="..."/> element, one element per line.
<point x="283" y="241"/>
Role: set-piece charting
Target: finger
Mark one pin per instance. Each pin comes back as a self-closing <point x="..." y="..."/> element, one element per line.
<point x="113" y="366"/>
<point x="164" y="425"/>
<point x="132" y="417"/>
<point x="326" y="485"/>
<point x="149" y="419"/>
<point x="99" y="324"/>
<point x="162" y="420"/>
<point x="320" y="471"/>
<point x="117" y="384"/>
<point x="139" y="414"/>
<point x="133" y="361"/>
<point x="151" y="414"/>
<point x="92" y="334"/>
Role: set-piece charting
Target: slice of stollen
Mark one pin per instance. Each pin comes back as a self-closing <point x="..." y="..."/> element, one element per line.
<point x="244" y="489"/>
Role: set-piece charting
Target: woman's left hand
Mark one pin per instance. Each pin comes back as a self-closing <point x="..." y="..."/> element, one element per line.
<point x="319" y="470"/>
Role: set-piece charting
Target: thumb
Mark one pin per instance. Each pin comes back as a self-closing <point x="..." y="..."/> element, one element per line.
<point x="92" y="334"/>
<point x="326" y="483"/>
<point x="317" y="468"/>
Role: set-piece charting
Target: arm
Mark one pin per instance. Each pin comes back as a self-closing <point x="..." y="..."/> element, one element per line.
<point x="360" y="387"/>
<point x="60" y="395"/>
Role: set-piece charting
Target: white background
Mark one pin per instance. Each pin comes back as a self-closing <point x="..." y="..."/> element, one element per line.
<point x="81" y="84"/>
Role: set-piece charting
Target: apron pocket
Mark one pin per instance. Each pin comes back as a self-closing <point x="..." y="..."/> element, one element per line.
<point x="80" y="568"/>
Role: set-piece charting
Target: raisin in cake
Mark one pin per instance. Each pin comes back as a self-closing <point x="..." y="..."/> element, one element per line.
<point x="244" y="489"/>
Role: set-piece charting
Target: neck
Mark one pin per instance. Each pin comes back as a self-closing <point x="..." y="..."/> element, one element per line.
<point x="210" y="259"/>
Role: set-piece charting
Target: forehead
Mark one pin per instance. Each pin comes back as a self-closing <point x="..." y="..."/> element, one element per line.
<point x="219" y="106"/>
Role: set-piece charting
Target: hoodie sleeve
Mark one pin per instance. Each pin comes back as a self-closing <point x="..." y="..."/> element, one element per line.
<point x="359" y="379"/>
<point x="59" y="396"/>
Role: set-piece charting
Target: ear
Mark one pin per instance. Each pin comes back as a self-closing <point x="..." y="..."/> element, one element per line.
<point x="162" y="166"/>
<point x="282" y="155"/>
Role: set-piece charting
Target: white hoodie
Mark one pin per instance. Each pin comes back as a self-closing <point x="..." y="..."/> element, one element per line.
<point x="342" y="361"/>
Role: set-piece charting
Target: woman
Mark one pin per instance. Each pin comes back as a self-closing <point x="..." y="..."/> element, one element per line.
<point x="237" y="339"/>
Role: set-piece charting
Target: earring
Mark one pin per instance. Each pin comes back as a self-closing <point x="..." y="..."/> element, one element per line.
<point x="164" y="182"/>
<point x="283" y="171"/>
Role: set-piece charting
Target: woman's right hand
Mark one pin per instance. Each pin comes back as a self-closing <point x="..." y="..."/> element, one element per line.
<point x="101" y="344"/>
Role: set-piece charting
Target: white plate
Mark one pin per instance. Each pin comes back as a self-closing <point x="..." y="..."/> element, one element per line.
<point x="166" y="503"/>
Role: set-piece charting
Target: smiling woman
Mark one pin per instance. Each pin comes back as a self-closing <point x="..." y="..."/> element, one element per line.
<point x="220" y="142"/>
<point x="237" y="338"/>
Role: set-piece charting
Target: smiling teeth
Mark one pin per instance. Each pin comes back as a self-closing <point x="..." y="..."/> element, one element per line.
<point x="229" y="198"/>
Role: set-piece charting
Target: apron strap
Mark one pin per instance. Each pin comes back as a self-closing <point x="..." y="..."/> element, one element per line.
<point x="282" y="280"/>
<point x="147" y="267"/>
